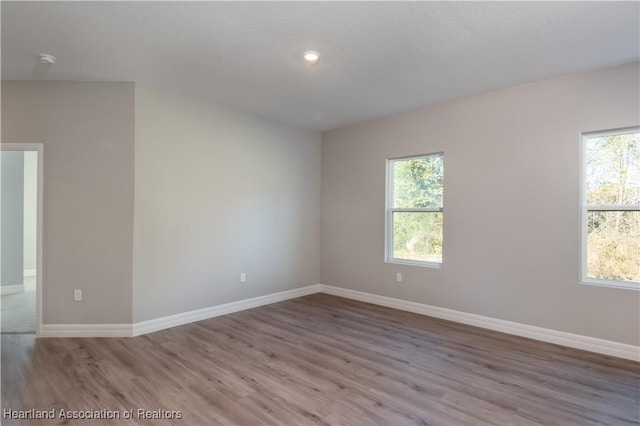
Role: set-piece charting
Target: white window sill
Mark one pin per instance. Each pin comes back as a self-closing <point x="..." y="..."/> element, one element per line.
<point x="421" y="263"/>
<point x="626" y="285"/>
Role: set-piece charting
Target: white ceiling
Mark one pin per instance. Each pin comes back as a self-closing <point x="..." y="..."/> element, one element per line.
<point x="378" y="58"/>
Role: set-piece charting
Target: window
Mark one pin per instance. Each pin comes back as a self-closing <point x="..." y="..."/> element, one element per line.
<point x="415" y="210"/>
<point x="611" y="208"/>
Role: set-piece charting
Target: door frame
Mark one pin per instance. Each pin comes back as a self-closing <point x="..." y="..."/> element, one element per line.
<point x="39" y="148"/>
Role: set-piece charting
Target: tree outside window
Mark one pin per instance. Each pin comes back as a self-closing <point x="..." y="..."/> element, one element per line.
<point x="611" y="208"/>
<point x="415" y="210"/>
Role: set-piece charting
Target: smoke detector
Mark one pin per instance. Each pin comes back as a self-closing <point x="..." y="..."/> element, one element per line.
<point x="47" y="59"/>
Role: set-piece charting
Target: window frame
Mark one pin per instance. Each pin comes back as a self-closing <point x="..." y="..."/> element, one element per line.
<point x="390" y="210"/>
<point x="586" y="208"/>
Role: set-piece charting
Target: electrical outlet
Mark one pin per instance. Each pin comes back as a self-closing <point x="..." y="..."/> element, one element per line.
<point x="243" y="277"/>
<point x="77" y="295"/>
<point x="399" y="277"/>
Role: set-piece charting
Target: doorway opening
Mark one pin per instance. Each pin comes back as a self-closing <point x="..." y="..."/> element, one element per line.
<point x="20" y="238"/>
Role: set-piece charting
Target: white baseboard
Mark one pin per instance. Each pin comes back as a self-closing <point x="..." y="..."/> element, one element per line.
<point x="144" y="327"/>
<point x="10" y="289"/>
<point x="576" y="341"/>
<point x="29" y="273"/>
<point x="214" y="311"/>
<point x="85" y="330"/>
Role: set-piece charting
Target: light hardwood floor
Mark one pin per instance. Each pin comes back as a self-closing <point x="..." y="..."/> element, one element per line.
<point x="322" y="359"/>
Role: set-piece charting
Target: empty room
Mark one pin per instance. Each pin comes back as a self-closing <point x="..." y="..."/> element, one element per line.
<point x="316" y="212"/>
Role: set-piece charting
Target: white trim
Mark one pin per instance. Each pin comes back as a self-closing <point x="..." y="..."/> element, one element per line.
<point x="571" y="340"/>
<point x="28" y="273"/>
<point x="162" y="323"/>
<point x="613" y="208"/>
<point x="612" y="132"/>
<point x="39" y="148"/>
<point x="11" y="289"/>
<point x="627" y="285"/>
<point x="417" y="210"/>
<point x="85" y="330"/>
<point x="409" y="262"/>
<point x="157" y="324"/>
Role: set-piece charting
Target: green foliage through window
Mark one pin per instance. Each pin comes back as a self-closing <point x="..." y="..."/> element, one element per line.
<point x="418" y="182"/>
<point x="417" y="236"/>
<point x="416" y="217"/>
<point x="612" y="191"/>
<point x="613" y="170"/>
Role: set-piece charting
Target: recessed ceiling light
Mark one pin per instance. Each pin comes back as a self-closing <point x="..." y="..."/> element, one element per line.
<point x="311" y="57"/>
<point x="47" y="59"/>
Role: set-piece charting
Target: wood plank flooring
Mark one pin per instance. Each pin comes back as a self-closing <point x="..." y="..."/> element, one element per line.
<point x="321" y="359"/>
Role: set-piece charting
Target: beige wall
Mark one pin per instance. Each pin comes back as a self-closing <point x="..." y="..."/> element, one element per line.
<point x="87" y="130"/>
<point x="217" y="193"/>
<point x="511" y="247"/>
